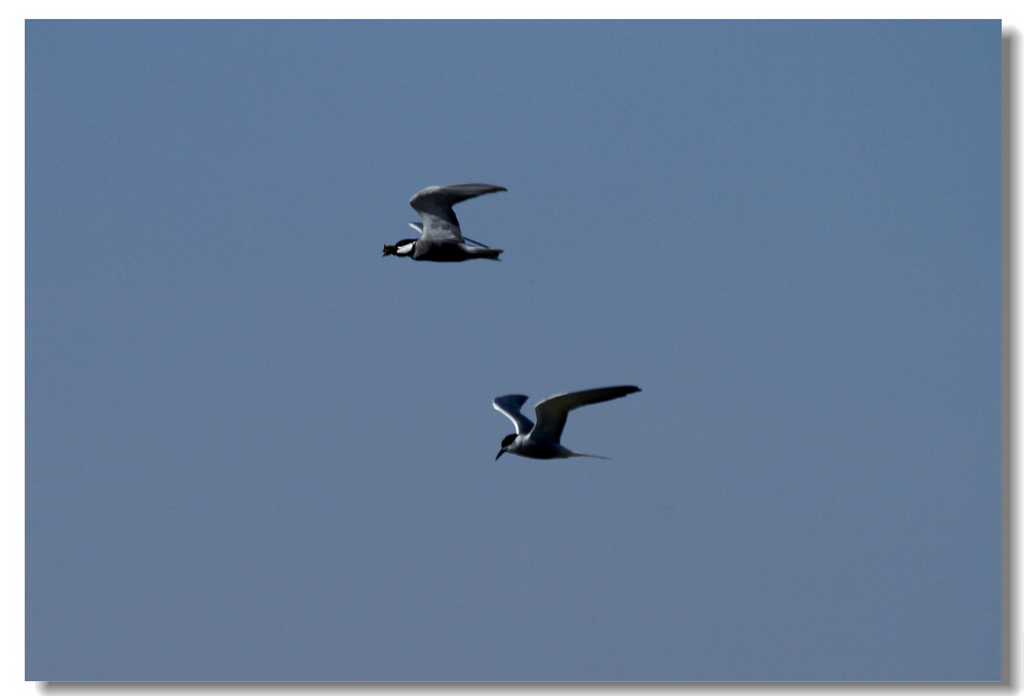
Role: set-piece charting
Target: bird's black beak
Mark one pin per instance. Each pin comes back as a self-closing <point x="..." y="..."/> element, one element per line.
<point x="389" y="250"/>
<point x="500" y="452"/>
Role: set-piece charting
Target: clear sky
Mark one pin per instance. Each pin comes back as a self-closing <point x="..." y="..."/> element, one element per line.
<point x="256" y="450"/>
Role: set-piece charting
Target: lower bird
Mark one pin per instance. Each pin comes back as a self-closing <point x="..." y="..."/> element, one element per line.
<point x="440" y="236"/>
<point x="541" y="441"/>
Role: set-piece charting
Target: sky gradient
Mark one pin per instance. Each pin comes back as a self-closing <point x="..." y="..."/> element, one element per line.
<point x="256" y="450"/>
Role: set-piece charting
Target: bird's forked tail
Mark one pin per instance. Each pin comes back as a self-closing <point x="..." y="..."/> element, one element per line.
<point x="482" y="252"/>
<point x="592" y="456"/>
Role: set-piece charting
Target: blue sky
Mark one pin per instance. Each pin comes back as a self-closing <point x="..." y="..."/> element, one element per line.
<point x="256" y="450"/>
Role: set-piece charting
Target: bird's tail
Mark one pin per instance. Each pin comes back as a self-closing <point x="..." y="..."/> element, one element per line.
<point x="482" y="252"/>
<point x="592" y="456"/>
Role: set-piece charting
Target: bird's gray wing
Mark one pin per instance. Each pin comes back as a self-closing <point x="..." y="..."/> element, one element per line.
<point x="552" y="412"/>
<point x="434" y="204"/>
<point x="510" y="405"/>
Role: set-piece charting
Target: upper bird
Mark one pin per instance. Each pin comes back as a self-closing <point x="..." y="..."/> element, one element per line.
<point x="541" y="441"/>
<point x="440" y="236"/>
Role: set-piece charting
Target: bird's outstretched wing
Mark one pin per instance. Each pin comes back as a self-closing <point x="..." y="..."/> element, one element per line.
<point x="510" y="405"/>
<point x="552" y="412"/>
<point x="434" y="204"/>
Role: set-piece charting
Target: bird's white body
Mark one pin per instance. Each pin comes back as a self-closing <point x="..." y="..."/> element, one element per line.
<point x="543" y="440"/>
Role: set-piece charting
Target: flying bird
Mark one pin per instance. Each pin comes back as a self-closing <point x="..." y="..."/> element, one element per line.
<point x="541" y="441"/>
<point x="440" y="237"/>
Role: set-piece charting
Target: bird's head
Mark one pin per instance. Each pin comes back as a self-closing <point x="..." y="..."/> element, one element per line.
<point x="403" y="248"/>
<point x="505" y="444"/>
